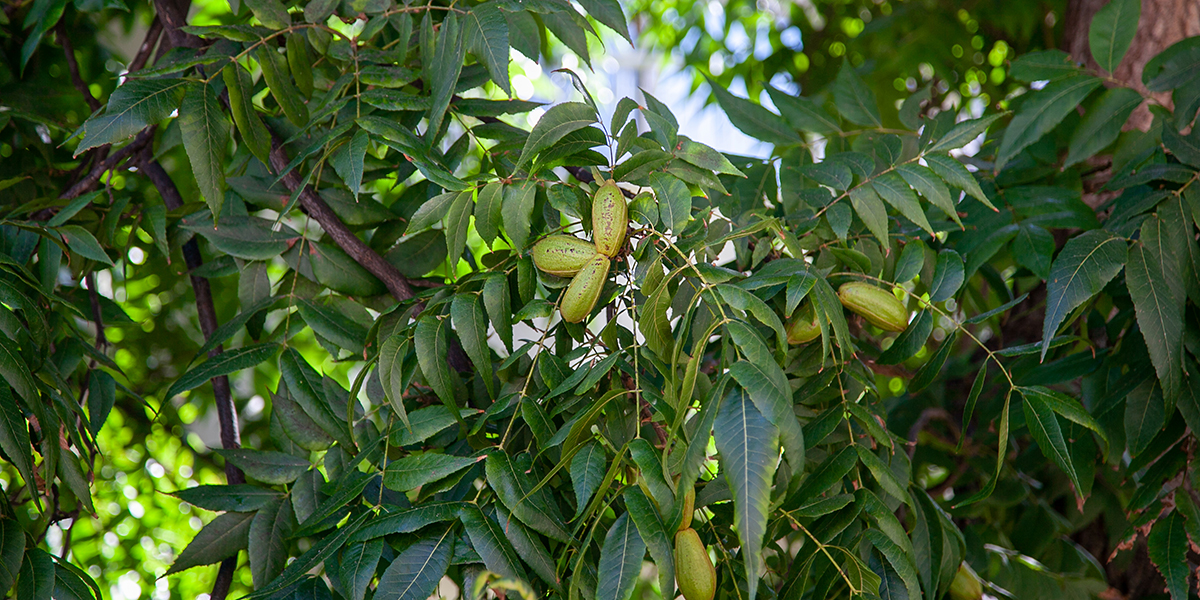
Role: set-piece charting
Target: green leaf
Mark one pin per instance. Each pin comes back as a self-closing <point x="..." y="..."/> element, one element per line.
<point x="14" y="434"/>
<point x="955" y="174"/>
<point x="1047" y="65"/>
<point x="72" y="474"/>
<point x="947" y="276"/>
<point x="1112" y="31"/>
<point x="225" y="363"/>
<point x="745" y="301"/>
<point x="1000" y="452"/>
<point x="358" y="567"/>
<point x="305" y="387"/>
<point x="414" y="471"/>
<point x="270" y="12"/>
<point x="321" y="550"/>
<point x="652" y="530"/>
<point x="487" y="212"/>
<point x="333" y="325"/>
<point x="458" y="218"/>
<point x="651" y="473"/>
<point x="772" y="396"/>
<point x="896" y="192"/>
<point x="348" y="161"/>
<point x="248" y="238"/>
<point x="490" y="540"/>
<point x="518" y="206"/>
<point x="620" y="560"/>
<point x="1046" y="432"/>
<point x="587" y="470"/>
<point x="1185" y="148"/>
<point x="870" y="209"/>
<point x="1102" y="123"/>
<point x="497" y="299"/>
<point x="137" y="104"/>
<point x="12" y="551"/>
<point x="528" y="547"/>
<point x="854" y="100"/>
<point x="446" y="67"/>
<point x="802" y="113"/>
<point x="415" y="572"/>
<point x="254" y="133"/>
<point x="275" y="468"/>
<point x="909" y="342"/>
<point x="70" y="210"/>
<point x="70" y="583"/>
<point x="1033" y="248"/>
<point x="826" y="475"/>
<point x="571" y="29"/>
<point x="422" y="425"/>
<point x="1084" y="266"/>
<point x="236" y="498"/>
<point x="221" y="538"/>
<point x="754" y="120"/>
<point x="931" y="187"/>
<point x="432" y="343"/>
<point x="485" y="34"/>
<point x="392" y="356"/>
<point x="609" y="13"/>
<point x="516" y="490"/>
<point x="36" y="581"/>
<point x="1145" y="415"/>
<point x="1156" y="285"/>
<point x="553" y="125"/>
<point x="408" y="521"/>
<point x="1168" y="546"/>
<point x="911" y="261"/>
<point x="266" y="545"/>
<point x="1066" y="407"/>
<point x="432" y="211"/>
<point x="748" y="445"/>
<point x="83" y="243"/>
<point x="1045" y="109"/>
<point x="205" y="138"/>
<point x="705" y="157"/>
<point x="674" y="200"/>
<point x="962" y="133"/>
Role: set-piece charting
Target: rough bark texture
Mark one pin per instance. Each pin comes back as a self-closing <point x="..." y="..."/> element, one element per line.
<point x="1163" y="23"/>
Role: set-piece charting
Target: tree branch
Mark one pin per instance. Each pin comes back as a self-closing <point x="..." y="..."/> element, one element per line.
<point x="226" y="411"/>
<point x="93" y="177"/>
<point x="147" y="47"/>
<point x="315" y="206"/>
<point x="73" y="66"/>
<point x="395" y="281"/>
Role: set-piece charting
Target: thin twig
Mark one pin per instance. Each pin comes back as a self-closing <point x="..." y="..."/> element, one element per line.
<point x="147" y="47"/>
<point x="73" y="66"/>
<point x="88" y="182"/>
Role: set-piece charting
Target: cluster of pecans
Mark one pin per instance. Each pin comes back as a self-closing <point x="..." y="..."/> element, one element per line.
<point x="586" y="262"/>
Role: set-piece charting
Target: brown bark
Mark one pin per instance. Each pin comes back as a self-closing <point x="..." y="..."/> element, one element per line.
<point x="1163" y="22"/>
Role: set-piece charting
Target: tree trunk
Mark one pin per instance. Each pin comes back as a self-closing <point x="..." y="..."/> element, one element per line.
<point x="1163" y="23"/>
